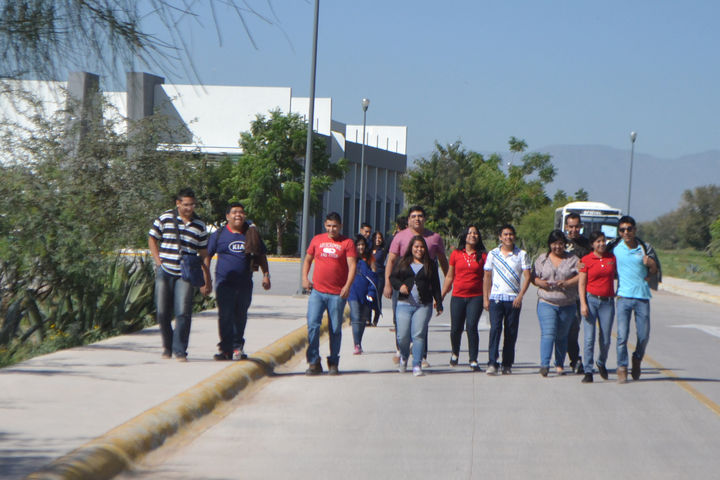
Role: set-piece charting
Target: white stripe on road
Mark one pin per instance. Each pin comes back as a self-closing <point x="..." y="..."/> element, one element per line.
<point x="709" y="329"/>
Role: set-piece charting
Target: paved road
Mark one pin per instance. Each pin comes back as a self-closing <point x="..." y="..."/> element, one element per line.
<point x="372" y="422"/>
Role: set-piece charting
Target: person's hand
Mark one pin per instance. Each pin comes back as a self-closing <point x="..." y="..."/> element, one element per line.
<point x="345" y="292"/>
<point x="206" y="289"/>
<point x="584" y="311"/>
<point x="387" y="291"/>
<point x="438" y="309"/>
<point x="266" y="282"/>
<point x="307" y="284"/>
<point x="486" y="305"/>
<point x="517" y="303"/>
<point x="404" y="290"/>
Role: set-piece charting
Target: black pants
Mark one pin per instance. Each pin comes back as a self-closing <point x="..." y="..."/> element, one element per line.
<point x="573" y="345"/>
<point x="465" y="314"/>
<point x="502" y="313"/>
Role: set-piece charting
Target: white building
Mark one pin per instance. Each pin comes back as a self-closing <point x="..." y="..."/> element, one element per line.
<point x="210" y="118"/>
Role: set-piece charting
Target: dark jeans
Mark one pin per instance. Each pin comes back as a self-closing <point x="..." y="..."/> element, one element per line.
<point x="380" y="288"/>
<point x="465" y="313"/>
<point x="503" y="314"/>
<point x="173" y="297"/>
<point x="359" y="314"/>
<point x="573" y="347"/>
<point x="233" y="301"/>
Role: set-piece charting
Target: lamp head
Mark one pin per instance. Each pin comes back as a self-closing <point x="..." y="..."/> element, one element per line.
<point x="633" y="136"/>
<point x="365" y="104"/>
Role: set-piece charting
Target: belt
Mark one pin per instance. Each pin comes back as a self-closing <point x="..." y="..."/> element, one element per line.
<point x="602" y="299"/>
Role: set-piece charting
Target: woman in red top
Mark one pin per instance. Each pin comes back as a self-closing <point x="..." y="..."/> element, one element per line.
<point x="597" y="303"/>
<point x="465" y="278"/>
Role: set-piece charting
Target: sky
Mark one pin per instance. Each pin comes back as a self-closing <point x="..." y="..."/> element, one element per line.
<point x="552" y="72"/>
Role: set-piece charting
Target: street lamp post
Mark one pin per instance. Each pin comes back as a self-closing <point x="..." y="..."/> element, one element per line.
<point x="365" y="103"/>
<point x="305" y="233"/>
<point x="633" y="136"/>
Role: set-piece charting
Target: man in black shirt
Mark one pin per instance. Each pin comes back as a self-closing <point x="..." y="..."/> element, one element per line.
<point x="580" y="246"/>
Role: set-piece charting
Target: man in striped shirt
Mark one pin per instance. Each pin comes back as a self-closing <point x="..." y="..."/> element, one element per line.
<point x="506" y="279"/>
<point x="172" y="293"/>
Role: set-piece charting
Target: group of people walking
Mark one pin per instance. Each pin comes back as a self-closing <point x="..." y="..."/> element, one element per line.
<point x="575" y="279"/>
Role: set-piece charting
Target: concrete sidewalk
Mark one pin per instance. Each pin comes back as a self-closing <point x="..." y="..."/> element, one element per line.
<point x="53" y="404"/>
<point x="697" y="290"/>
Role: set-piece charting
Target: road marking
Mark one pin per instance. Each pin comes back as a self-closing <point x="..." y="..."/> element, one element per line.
<point x="709" y="329"/>
<point x="685" y="385"/>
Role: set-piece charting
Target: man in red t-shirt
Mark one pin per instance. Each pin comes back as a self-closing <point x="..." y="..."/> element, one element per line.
<point x="335" y="262"/>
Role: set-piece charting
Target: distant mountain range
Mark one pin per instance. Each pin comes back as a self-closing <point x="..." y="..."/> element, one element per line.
<point x="658" y="183"/>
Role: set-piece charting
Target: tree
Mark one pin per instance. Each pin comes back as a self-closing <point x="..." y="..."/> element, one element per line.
<point x="459" y="187"/>
<point x="43" y="37"/>
<point x="269" y="176"/>
<point x="689" y="224"/>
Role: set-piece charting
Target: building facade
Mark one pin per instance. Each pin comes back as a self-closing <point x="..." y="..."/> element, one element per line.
<point x="209" y="119"/>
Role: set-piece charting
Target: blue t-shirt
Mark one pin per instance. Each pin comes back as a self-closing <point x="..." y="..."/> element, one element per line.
<point x="233" y="266"/>
<point x="631" y="272"/>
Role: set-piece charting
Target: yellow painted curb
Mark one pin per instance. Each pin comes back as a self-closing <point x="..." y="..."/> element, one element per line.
<point x="113" y="452"/>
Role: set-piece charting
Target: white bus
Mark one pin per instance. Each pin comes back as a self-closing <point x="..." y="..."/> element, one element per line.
<point x="593" y="215"/>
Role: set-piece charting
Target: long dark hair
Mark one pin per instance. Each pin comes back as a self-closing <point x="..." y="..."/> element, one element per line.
<point x="407" y="259"/>
<point x="374" y="247"/>
<point x="480" y="247"/>
<point x="367" y="255"/>
<point x="556" y="236"/>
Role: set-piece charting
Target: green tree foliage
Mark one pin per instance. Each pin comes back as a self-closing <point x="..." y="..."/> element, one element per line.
<point x="459" y="187"/>
<point x="68" y="200"/>
<point x="688" y="225"/>
<point x="269" y="177"/>
<point x="714" y="247"/>
<point x="41" y="38"/>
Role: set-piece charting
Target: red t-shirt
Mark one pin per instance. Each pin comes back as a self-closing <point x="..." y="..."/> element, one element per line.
<point x="468" y="273"/>
<point x="330" y="257"/>
<point x="600" y="274"/>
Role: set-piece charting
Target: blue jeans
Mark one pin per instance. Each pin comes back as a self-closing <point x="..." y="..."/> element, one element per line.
<point x="318" y="303"/>
<point x="601" y="313"/>
<point x="625" y="307"/>
<point x="503" y="313"/>
<point x="233" y="301"/>
<point x="359" y="314"/>
<point x="412" y="325"/>
<point x="465" y="313"/>
<point x="555" y="324"/>
<point x="173" y="297"/>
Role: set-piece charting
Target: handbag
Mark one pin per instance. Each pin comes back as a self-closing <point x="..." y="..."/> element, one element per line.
<point x="191" y="269"/>
<point x="190" y="263"/>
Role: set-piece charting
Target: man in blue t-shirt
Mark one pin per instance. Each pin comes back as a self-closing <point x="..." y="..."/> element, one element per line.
<point x="239" y="248"/>
<point x="634" y="266"/>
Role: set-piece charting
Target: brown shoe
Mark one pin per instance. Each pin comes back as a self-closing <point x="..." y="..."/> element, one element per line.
<point x="333" y="368"/>
<point x="166" y="354"/>
<point x="635" y="369"/>
<point x="622" y="374"/>
<point x="314" y="369"/>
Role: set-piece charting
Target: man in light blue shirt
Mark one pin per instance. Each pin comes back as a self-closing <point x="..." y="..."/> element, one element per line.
<point x="634" y="266"/>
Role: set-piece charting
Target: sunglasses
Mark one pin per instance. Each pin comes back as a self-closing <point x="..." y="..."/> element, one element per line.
<point x="628" y="229"/>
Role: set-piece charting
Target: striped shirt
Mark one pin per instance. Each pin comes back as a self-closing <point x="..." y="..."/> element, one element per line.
<point x="193" y="237"/>
<point x="507" y="273"/>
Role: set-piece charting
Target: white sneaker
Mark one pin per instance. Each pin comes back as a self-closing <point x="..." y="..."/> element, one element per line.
<point x="417" y="372"/>
<point x="402" y="366"/>
<point x="492" y="370"/>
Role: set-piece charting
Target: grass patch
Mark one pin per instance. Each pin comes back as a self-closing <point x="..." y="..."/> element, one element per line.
<point x="690" y="264"/>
